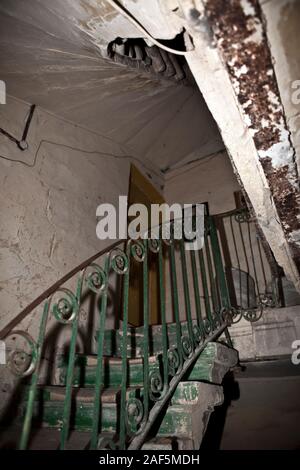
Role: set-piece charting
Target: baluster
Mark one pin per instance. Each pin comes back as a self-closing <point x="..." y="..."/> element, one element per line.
<point x="213" y="290"/>
<point x="70" y="370"/>
<point x="238" y="261"/>
<point x="205" y="291"/>
<point x="34" y="380"/>
<point x="125" y="264"/>
<point x="189" y="343"/>
<point x="176" y="311"/>
<point x="217" y="257"/>
<point x="102" y="286"/>
<point x="162" y="301"/>
<point x="240" y="221"/>
<point x="253" y="262"/>
<point x="146" y="329"/>
<point x="197" y="295"/>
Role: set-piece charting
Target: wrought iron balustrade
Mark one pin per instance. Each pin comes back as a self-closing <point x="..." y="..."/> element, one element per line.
<point x="192" y="293"/>
<point x="252" y="274"/>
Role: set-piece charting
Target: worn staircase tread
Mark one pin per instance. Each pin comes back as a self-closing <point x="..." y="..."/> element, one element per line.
<point x="183" y="418"/>
<point x="135" y="339"/>
<point x="55" y="393"/>
<point x="182" y="424"/>
<point x="211" y="366"/>
<point x="85" y="370"/>
<point x="49" y="439"/>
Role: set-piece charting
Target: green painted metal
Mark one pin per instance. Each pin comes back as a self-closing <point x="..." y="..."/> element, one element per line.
<point x="146" y="329"/>
<point x="82" y="419"/>
<point x="197" y="292"/>
<point x="123" y="414"/>
<point x="70" y="371"/>
<point x="220" y="275"/>
<point x="174" y="290"/>
<point x="163" y="356"/>
<point x="191" y="340"/>
<point x="213" y="290"/>
<point x="211" y="365"/>
<point x="164" y="329"/>
<point x="205" y="287"/>
<point x="247" y="253"/>
<point x="34" y="380"/>
<point x="99" y="367"/>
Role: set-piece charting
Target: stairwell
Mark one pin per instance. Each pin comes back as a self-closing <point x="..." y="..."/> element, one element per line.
<point x="152" y="386"/>
<point x="180" y="425"/>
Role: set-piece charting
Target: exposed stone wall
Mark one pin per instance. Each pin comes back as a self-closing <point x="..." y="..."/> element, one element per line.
<point x="271" y="336"/>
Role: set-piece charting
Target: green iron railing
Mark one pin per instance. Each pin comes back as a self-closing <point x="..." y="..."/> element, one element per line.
<point x="252" y="274"/>
<point x="192" y="294"/>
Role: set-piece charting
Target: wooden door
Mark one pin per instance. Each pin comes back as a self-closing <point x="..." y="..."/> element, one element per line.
<point x="141" y="191"/>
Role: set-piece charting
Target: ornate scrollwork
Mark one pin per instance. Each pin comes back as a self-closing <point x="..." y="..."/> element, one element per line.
<point x="96" y="279"/>
<point x="173" y="361"/>
<point x="154" y="245"/>
<point x="134" y="414"/>
<point x="20" y="362"/>
<point x="242" y="216"/>
<point x="187" y="346"/>
<point x="236" y="315"/>
<point x="198" y="334"/>
<point x="208" y="326"/>
<point x="156" y="385"/>
<point x="267" y="300"/>
<point x="253" y="315"/>
<point x="138" y="251"/>
<point x="65" y="309"/>
<point x="119" y="261"/>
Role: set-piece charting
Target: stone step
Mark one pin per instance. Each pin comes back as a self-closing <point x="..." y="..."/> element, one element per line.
<point x="135" y="339"/>
<point x="185" y="418"/>
<point x="49" y="439"/>
<point x="211" y="366"/>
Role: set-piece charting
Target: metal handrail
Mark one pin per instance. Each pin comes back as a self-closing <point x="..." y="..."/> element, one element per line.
<point x="48" y="292"/>
<point x="198" y="292"/>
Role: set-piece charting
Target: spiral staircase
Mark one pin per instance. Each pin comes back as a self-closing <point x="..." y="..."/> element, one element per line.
<point x="149" y="387"/>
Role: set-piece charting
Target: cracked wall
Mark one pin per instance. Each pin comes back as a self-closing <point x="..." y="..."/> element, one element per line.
<point x="48" y="219"/>
<point x="48" y="209"/>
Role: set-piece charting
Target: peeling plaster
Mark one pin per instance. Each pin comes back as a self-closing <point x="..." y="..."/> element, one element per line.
<point x="239" y="31"/>
<point x="49" y="209"/>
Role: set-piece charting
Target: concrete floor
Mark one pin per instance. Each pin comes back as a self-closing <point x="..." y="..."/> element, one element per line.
<point x="261" y="409"/>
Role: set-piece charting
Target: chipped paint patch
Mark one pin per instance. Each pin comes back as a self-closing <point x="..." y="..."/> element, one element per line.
<point x="240" y="36"/>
